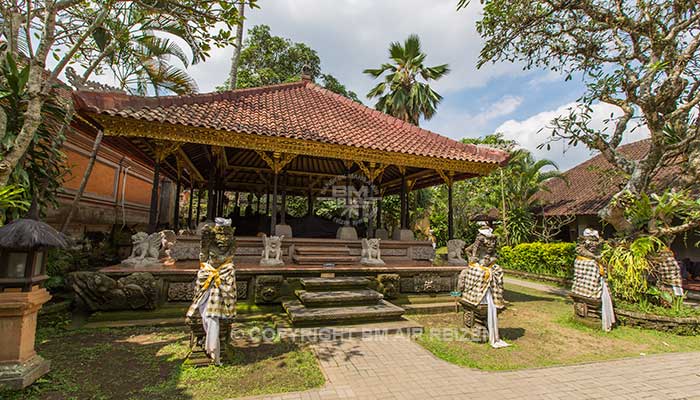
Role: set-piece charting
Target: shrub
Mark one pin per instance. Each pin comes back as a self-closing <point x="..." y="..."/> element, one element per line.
<point x="553" y="259"/>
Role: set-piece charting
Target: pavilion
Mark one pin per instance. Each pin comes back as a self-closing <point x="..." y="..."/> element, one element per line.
<point x="284" y="139"/>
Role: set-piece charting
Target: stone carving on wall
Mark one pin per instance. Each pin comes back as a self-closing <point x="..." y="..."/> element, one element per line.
<point x="145" y="250"/>
<point x="96" y="291"/>
<point x="388" y="285"/>
<point x="371" y="255"/>
<point x="272" y="252"/>
<point x="427" y="283"/>
<point x="268" y="288"/>
<point x="454" y="252"/>
<point x="184" y="291"/>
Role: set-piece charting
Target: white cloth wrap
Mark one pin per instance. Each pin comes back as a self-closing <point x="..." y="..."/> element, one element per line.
<point x="492" y="321"/>
<point x="607" y="313"/>
<point x="212" y="346"/>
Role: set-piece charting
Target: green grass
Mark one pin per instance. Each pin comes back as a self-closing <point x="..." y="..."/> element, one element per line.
<point x="543" y="331"/>
<point x="147" y="363"/>
<point x="177" y="310"/>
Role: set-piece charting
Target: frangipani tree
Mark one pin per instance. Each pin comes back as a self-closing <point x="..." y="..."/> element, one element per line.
<point x="640" y="56"/>
<point x="49" y="35"/>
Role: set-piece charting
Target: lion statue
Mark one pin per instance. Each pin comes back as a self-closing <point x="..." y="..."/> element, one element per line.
<point x="145" y="250"/>
<point x="371" y="255"/>
<point x="272" y="250"/>
<point x="454" y="252"/>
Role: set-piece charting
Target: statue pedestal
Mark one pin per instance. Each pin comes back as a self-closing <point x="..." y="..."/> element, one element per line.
<point x="587" y="308"/>
<point x="404" y="234"/>
<point x="381" y="233"/>
<point x="283" y="230"/>
<point x="346" y="233"/>
<point x="475" y="319"/>
<point x="20" y="366"/>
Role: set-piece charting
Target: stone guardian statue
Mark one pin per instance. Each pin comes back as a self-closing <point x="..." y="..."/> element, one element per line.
<point x="215" y="289"/>
<point x="590" y="289"/>
<point x="371" y="255"/>
<point x="272" y="251"/>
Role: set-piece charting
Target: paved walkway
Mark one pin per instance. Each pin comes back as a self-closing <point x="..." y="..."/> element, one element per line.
<point x="398" y="368"/>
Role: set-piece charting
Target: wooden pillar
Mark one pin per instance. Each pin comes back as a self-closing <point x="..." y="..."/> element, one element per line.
<point x="257" y="207"/>
<point x="189" y="212"/>
<point x="347" y="195"/>
<point x="283" y="219"/>
<point x="450" y="213"/>
<point x="153" y="210"/>
<point x="310" y="203"/>
<point x="176" y="211"/>
<point x="404" y="206"/>
<point x="199" y="206"/>
<point x="211" y="195"/>
<point x="370" y="220"/>
<point x="267" y="201"/>
<point x="273" y="216"/>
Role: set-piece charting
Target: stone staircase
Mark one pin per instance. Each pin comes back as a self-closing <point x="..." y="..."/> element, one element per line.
<point x="325" y="301"/>
<point x="317" y="255"/>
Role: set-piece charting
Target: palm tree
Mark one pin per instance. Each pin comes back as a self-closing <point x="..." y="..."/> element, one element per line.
<point x="402" y="94"/>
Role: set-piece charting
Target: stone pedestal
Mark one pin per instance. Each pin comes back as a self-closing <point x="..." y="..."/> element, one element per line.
<point x="476" y="320"/>
<point x="20" y="366"/>
<point x="586" y="308"/>
<point x="346" y="233"/>
<point x="381" y="233"/>
<point x="283" y="230"/>
<point x="404" y="234"/>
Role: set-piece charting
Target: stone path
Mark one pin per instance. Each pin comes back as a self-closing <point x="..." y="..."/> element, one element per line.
<point x="395" y="367"/>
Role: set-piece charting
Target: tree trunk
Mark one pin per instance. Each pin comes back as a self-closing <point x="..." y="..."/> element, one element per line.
<point x="233" y="75"/>
<point x="84" y="181"/>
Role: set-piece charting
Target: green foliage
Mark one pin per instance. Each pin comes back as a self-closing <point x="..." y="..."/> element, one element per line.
<point x="629" y="267"/>
<point x="40" y="173"/>
<point x="268" y="60"/>
<point x="401" y="93"/>
<point x="553" y="259"/>
<point x="656" y="213"/>
<point x="12" y="203"/>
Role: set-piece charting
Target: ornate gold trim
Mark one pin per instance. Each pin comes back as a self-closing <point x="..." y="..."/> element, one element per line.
<point x="449" y="177"/>
<point x="120" y="126"/>
<point x="278" y="160"/>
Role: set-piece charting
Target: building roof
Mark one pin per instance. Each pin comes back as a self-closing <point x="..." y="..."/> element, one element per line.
<point x="590" y="185"/>
<point x="299" y="110"/>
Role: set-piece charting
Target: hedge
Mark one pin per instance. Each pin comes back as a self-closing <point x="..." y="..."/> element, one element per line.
<point x="553" y="259"/>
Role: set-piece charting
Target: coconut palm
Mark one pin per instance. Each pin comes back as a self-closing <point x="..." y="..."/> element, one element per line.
<point x="401" y="93"/>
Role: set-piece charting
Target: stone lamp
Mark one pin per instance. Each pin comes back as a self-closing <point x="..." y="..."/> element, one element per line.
<point x="24" y="244"/>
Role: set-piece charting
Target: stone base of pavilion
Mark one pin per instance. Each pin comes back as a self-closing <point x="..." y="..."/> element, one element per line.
<point x="408" y="269"/>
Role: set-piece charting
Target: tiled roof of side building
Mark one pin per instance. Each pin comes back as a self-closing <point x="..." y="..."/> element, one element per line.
<point x="299" y="110"/>
<point x="590" y="185"/>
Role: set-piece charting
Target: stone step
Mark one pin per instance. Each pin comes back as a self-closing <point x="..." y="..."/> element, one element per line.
<point x="342" y="331"/>
<point x="338" y="297"/>
<point x="301" y="315"/>
<point x="344" y="282"/>
<point x="314" y="250"/>
<point x="324" y="259"/>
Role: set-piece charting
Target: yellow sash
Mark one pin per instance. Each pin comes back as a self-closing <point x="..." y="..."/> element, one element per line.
<point x="214" y="275"/>
<point x="487" y="269"/>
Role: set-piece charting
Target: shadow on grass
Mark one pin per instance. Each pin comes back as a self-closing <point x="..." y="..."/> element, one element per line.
<point x="511" y="333"/>
<point x="521" y="297"/>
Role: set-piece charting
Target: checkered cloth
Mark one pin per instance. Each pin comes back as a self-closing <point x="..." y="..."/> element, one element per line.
<point x="221" y="282"/>
<point x="587" y="278"/>
<point x="666" y="268"/>
<point x="476" y="279"/>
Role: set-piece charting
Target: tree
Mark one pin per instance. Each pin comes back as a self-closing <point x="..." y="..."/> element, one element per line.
<point x="642" y="57"/>
<point x="269" y="60"/>
<point x="235" y="59"/>
<point x="82" y="32"/>
<point x="401" y="93"/>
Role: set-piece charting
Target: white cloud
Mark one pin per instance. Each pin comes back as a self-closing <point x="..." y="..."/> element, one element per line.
<point x="533" y="131"/>
<point x="504" y="106"/>
<point x="351" y="35"/>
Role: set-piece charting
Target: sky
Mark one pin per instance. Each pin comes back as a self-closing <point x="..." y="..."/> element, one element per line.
<point x="352" y="35"/>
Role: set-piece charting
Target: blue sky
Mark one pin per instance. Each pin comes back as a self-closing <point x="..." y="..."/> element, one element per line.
<point x="351" y="35"/>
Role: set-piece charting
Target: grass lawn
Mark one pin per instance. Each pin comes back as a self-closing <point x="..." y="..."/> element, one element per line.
<point x="543" y="331"/>
<point x="146" y="363"/>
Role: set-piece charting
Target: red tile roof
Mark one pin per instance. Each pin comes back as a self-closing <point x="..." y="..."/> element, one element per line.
<point x="299" y="110"/>
<point x="592" y="183"/>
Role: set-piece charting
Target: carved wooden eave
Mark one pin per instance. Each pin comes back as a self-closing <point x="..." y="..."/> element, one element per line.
<point x="128" y="127"/>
